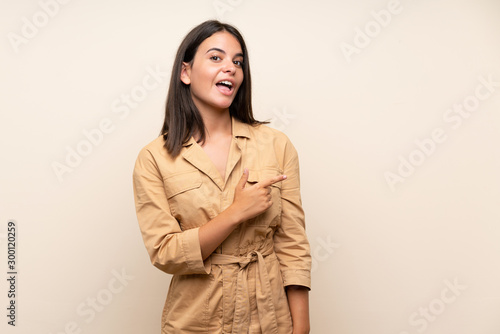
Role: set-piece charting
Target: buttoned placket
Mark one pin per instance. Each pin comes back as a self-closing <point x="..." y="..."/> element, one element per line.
<point x="197" y="157"/>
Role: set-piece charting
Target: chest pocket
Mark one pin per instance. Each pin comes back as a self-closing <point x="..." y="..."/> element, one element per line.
<point x="272" y="216"/>
<point x="186" y="198"/>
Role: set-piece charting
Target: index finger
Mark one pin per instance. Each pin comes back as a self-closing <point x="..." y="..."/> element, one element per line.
<point x="273" y="180"/>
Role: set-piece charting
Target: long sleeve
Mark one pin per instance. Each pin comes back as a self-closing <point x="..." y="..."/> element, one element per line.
<point x="170" y="249"/>
<point x="290" y="239"/>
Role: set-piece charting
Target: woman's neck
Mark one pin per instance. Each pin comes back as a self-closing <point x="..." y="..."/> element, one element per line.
<point x="217" y="123"/>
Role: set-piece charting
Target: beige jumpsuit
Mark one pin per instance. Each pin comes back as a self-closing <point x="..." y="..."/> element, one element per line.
<point x="240" y="287"/>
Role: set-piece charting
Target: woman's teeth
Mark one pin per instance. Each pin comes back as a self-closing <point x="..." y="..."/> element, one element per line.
<point x="225" y="83"/>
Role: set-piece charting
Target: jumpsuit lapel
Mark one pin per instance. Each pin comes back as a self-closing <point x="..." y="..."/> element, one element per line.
<point x="233" y="158"/>
<point x="195" y="155"/>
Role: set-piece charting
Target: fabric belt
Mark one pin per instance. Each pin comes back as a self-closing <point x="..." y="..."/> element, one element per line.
<point x="265" y="305"/>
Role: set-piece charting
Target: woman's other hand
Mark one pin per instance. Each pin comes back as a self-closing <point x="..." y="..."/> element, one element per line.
<point x="250" y="201"/>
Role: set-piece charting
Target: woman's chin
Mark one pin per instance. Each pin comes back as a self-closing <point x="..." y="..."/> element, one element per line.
<point x="223" y="105"/>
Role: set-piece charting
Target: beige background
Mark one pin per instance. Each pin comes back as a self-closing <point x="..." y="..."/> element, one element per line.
<point x="384" y="256"/>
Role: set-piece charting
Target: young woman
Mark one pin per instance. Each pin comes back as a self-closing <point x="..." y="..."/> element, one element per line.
<point x="218" y="200"/>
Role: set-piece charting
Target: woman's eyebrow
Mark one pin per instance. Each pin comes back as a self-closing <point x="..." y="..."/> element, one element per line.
<point x="216" y="49"/>
<point x="224" y="52"/>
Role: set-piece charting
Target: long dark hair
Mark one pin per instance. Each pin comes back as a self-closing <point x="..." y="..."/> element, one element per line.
<point x="182" y="118"/>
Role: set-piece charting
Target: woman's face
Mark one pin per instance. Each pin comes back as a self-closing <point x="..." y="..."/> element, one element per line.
<point x="216" y="72"/>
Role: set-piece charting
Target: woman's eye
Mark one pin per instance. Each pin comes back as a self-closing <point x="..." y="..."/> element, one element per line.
<point x="215" y="58"/>
<point x="238" y="62"/>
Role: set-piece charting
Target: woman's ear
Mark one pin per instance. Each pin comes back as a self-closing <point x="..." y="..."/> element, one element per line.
<point x="186" y="73"/>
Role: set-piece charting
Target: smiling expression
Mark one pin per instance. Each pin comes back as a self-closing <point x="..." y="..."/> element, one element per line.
<point x="216" y="72"/>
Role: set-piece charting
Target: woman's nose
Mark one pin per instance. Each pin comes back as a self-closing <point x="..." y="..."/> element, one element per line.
<point x="230" y="68"/>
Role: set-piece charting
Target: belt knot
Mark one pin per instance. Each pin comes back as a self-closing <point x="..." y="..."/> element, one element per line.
<point x="265" y="304"/>
<point x="251" y="257"/>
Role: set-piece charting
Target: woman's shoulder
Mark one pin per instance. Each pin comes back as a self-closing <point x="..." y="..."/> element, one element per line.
<point x="153" y="148"/>
<point x="267" y="139"/>
<point x="156" y="143"/>
<point x="269" y="132"/>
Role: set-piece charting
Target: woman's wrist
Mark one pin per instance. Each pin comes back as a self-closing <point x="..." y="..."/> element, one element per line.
<point x="298" y="300"/>
<point x="233" y="215"/>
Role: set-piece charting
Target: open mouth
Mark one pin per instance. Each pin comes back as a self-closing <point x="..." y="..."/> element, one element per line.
<point x="226" y="87"/>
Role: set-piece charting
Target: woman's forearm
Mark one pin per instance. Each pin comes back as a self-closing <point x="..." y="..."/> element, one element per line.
<point x="215" y="231"/>
<point x="298" y="300"/>
<point x="248" y="202"/>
